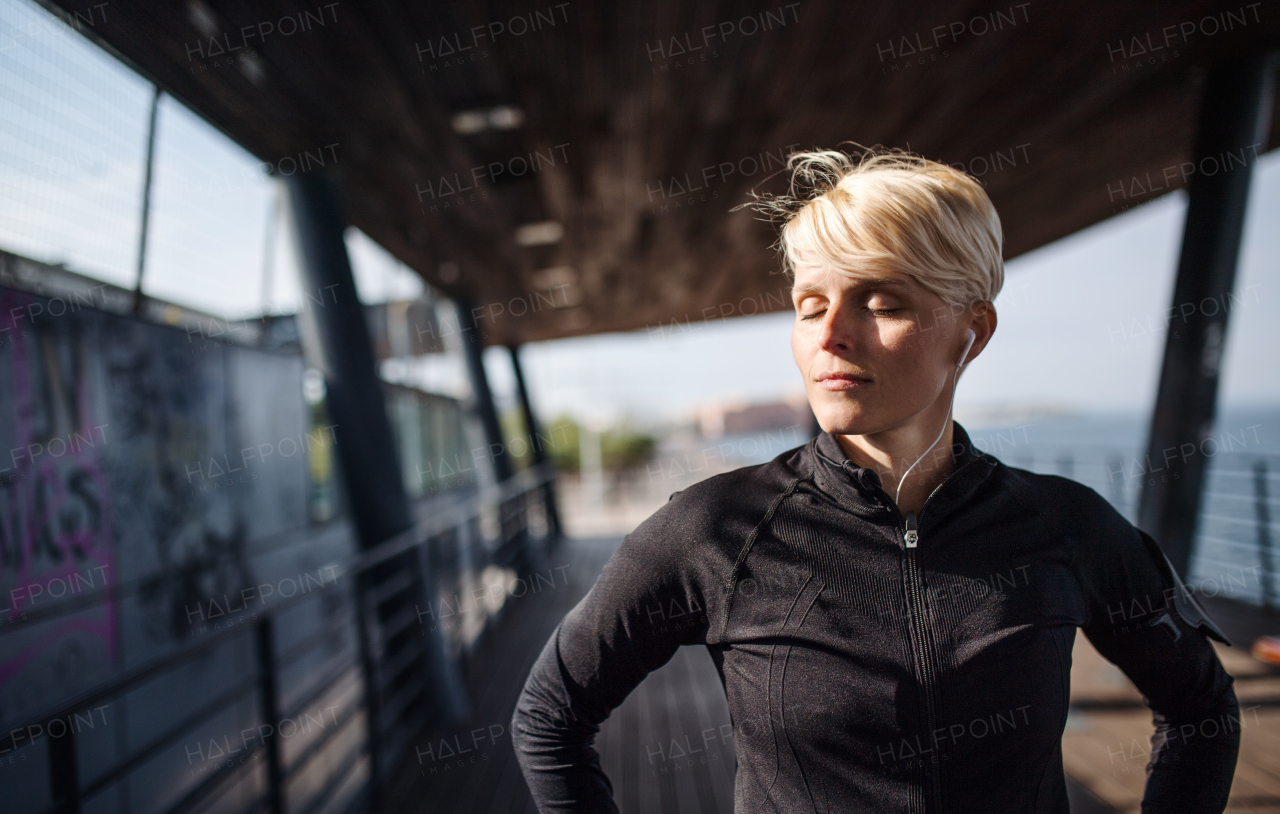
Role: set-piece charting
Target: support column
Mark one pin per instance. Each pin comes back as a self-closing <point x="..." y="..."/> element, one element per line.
<point x="337" y="336"/>
<point x="535" y="443"/>
<point x="1235" y="112"/>
<point x="335" y="325"/>
<point x="514" y="550"/>
<point x="473" y="350"/>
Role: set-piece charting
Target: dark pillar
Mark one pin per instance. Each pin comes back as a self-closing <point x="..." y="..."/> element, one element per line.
<point x="343" y="349"/>
<point x="514" y="550"/>
<point x="473" y="350"/>
<point x="535" y="442"/>
<point x="1235" y="112"/>
<point x="338" y="339"/>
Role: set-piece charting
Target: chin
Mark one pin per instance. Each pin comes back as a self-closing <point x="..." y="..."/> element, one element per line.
<point x="846" y="418"/>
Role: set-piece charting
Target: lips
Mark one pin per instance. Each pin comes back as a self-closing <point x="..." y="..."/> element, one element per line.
<point x="842" y="381"/>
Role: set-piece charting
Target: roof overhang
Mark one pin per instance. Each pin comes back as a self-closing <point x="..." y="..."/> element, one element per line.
<point x="637" y="127"/>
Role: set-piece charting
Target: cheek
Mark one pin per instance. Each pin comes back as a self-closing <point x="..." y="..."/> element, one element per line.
<point x="798" y="348"/>
<point x="900" y="335"/>
<point x="907" y="343"/>
<point x="907" y="352"/>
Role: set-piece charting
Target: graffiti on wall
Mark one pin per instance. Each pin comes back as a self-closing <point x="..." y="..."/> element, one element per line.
<point x="56" y="517"/>
<point x="107" y="428"/>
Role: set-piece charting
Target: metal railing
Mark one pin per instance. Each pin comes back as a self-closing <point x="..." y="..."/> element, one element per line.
<point x="392" y="705"/>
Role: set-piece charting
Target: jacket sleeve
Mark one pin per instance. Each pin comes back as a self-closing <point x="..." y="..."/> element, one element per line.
<point x="1143" y="619"/>
<point x="645" y="604"/>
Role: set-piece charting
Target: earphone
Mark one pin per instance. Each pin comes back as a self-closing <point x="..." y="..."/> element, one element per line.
<point x="959" y="364"/>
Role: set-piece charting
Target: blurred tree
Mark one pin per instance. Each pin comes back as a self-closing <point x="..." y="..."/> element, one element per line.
<point x="563" y="439"/>
<point x="624" y="451"/>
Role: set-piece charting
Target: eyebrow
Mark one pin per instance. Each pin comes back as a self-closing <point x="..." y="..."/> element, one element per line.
<point x="870" y="282"/>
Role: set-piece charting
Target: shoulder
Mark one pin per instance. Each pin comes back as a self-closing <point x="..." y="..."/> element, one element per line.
<point x="1067" y="506"/>
<point x="687" y="548"/>
<point x="722" y="510"/>
<point x="748" y="490"/>
<point x="1110" y="555"/>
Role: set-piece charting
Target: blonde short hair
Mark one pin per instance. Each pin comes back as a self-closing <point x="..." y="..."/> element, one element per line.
<point x="891" y="210"/>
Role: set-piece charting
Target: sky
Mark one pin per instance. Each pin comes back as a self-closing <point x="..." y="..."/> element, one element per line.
<point x="1081" y="323"/>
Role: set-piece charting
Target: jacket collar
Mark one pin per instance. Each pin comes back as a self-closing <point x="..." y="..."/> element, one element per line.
<point x="859" y="488"/>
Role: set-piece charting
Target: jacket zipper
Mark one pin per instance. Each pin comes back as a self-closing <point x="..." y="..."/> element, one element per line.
<point x="924" y="655"/>
<point x="924" y="650"/>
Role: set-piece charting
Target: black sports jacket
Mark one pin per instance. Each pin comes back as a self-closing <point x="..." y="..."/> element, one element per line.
<point x="876" y="663"/>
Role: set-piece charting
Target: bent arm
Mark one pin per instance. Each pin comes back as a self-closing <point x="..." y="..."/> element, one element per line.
<point x="553" y="734"/>
<point x="1145" y="620"/>
<point x="620" y="632"/>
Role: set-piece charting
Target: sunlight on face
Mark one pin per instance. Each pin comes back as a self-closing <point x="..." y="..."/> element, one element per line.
<point x="874" y="351"/>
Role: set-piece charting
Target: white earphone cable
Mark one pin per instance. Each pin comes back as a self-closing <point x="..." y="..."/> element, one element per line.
<point x="945" y="423"/>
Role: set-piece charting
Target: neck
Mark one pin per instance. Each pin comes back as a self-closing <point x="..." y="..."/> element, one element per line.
<point x="892" y="452"/>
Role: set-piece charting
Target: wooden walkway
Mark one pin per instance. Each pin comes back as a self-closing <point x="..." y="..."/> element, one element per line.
<point x="669" y="748"/>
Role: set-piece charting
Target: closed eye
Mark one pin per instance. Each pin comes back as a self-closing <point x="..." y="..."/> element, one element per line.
<point x="880" y="312"/>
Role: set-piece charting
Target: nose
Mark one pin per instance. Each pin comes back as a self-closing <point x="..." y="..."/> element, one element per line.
<point x="832" y="336"/>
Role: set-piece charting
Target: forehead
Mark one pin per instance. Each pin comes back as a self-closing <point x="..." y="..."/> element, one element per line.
<point x="811" y="277"/>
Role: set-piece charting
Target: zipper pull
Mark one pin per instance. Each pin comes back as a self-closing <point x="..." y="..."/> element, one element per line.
<point x="911" y="536"/>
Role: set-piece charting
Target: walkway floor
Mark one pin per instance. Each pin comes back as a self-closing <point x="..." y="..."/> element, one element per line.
<point x="669" y="747"/>
<point x="486" y="779"/>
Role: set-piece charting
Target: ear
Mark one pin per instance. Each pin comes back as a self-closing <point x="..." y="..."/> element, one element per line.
<point x="983" y="324"/>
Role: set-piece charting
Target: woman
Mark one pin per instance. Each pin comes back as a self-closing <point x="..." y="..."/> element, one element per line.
<point x="891" y="611"/>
